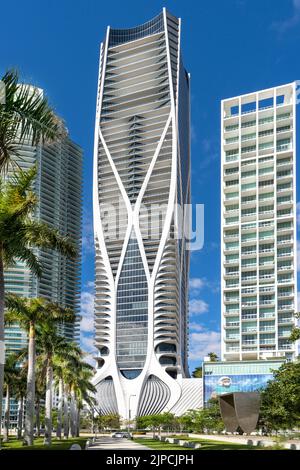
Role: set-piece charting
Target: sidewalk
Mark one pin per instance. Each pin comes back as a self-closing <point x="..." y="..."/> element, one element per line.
<point x="110" y="443"/>
<point x="264" y="441"/>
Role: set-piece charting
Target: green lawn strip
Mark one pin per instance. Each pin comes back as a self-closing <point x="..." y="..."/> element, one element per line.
<point x="206" y="444"/>
<point x="64" y="444"/>
<point x="153" y="444"/>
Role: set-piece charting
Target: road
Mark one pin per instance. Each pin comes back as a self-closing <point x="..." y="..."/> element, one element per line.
<point x="110" y="443"/>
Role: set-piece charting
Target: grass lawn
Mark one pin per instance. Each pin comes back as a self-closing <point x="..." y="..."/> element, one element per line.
<point x="206" y="444"/>
<point x="64" y="444"/>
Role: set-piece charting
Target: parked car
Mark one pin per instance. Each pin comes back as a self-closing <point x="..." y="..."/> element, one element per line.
<point x="122" y="435"/>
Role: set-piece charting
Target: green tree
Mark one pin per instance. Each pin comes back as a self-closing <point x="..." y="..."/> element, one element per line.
<point x="213" y="356"/>
<point x="20" y="235"/>
<point x="25" y="116"/>
<point x="111" y="421"/>
<point x="204" y="420"/>
<point x="29" y="313"/>
<point x="280" y="408"/>
<point x="295" y="335"/>
<point x="157" y="422"/>
<point x="197" y="373"/>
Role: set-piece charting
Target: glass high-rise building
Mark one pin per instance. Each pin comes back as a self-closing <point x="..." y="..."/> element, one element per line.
<point x="58" y="186"/>
<point x="141" y="175"/>
<point x="259" y="245"/>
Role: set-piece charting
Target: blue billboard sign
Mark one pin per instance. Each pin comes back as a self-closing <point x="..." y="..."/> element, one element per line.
<point x="215" y="385"/>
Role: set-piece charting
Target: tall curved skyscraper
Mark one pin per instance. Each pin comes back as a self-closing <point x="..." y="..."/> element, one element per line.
<point x="141" y="184"/>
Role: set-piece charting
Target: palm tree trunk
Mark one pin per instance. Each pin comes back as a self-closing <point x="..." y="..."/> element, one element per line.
<point x="66" y="415"/>
<point x="48" y="407"/>
<point x="20" y="417"/>
<point x="73" y="412"/>
<point x="38" y="418"/>
<point x="30" y="393"/>
<point x="6" y="415"/>
<point x="60" y="408"/>
<point x="78" y="422"/>
<point x="2" y="348"/>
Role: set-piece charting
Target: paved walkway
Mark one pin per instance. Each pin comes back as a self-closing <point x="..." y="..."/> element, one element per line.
<point x="114" y="443"/>
<point x="252" y="440"/>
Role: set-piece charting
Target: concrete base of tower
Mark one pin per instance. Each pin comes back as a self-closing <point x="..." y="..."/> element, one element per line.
<point x="152" y="392"/>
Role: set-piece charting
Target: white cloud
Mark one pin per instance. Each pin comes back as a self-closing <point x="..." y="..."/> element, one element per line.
<point x="291" y="22"/>
<point x="87" y="312"/>
<point x="204" y="342"/>
<point x="196" y="283"/>
<point x="90" y="284"/>
<point x="197" y="306"/>
<point x="195" y="327"/>
<point x="87" y="322"/>
<point x="87" y="343"/>
<point x="298" y="301"/>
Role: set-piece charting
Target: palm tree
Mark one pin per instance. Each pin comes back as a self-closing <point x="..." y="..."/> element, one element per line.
<point x="20" y="394"/>
<point x="197" y="373"/>
<point x="213" y="356"/>
<point x="50" y="345"/>
<point x="85" y="391"/>
<point x="10" y="374"/>
<point x="25" y="116"/>
<point x="77" y="379"/>
<point x="61" y="363"/>
<point x="30" y="313"/>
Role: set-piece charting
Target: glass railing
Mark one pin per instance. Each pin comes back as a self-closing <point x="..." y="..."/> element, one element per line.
<point x="251" y="148"/>
<point x="231" y="140"/>
<point x="231" y="128"/>
<point x="286" y="320"/>
<point x="280" y="117"/>
<point x="232" y="158"/>
<point x="282" y="147"/>
<point x="267" y="341"/>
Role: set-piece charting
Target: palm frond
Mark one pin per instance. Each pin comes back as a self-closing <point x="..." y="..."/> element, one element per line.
<point x="44" y="236"/>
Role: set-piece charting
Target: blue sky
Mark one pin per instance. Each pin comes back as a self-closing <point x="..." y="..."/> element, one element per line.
<point x="230" y="47"/>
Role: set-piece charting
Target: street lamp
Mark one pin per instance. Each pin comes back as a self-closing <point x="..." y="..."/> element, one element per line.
<point x="129" y="412"/>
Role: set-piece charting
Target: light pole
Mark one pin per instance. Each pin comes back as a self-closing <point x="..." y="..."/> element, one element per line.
<point x="129" y="412"/>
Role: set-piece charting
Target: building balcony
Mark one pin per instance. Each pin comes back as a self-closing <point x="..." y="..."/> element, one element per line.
<point x="284" y="334"/>
<point x="232" y="324"/>
<point x="267" y="341"/>
<point x="286" y="320"/>
<point x="288" y="307"/>
<point x="231" y="300"/>
<point x="267" y="316"/>
<point x="286" y="294"/>
<point x="285" y="268"/>
<point x="249" y="330"/>
<point x="249" y="342"/>
<point x="285" y="346"/>
<point x="249" y="316"/>
<point x="267" y="329"/>
<point x="249" y="304"/>
<point x="231" y="312"/>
